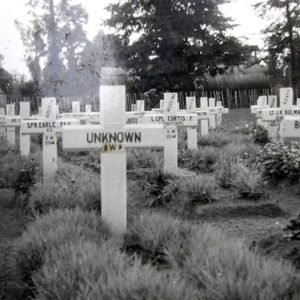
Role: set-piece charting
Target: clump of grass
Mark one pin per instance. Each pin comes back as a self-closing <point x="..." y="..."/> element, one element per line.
<point x="199" y="190"/>
<point x="47" y="233"/>
<point x="71" y="187"/>
<point x="225" y="170"/>
<point x="160" y="188"/>
<point x="243" y="150"/>
<point x="144" y="159"/>
<point x="153" y="235"/>
<point x="12" y="165"/>
<point x="224" y="268"/>
<point x="203" y="160"/>
<point x="214" y="139"/>
<point x="248" y="181"/>
<point x="92" y="271"/>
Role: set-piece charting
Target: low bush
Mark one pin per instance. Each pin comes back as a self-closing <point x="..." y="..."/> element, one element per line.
<point x="144" y="159"/>
<point x="90" y="271"/>
<point x="241" y="150"/>
<point x="214" y="139"/>
<point x="70" y="255"/>
<point x="223" y="268"/>
<point x="160" y="188"/>
<point x="280" y="161"/>
<point x="16" y="172"/>
<point x="203" y="160"/>
<point x="152" y="235"/>
<point x="71" y="187"/>
<point x="48" y="233"/>
<point x="225" y="171"/>
<point x="199" y="190"/>
<point x="260" y="135"/>
<point x="248" y="181"/>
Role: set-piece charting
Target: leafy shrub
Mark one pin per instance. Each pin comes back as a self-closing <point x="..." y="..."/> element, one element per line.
<point x="280" y="161"/>
<point x="248" y="181"/>
<point x="71" y="187"/>
<point x="260" y="135"/>
<point x="47" y="233"/>
<point x="199" y="190"/>
<point x="160" y="188"/>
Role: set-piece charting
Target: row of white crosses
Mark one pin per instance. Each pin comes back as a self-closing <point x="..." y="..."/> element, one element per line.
<point x="10" y="122"/>
<point x="280" y="122"/>
<point x="113" y="136"/>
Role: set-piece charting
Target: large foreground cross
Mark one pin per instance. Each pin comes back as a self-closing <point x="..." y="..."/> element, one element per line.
<point x="112" y="138"/>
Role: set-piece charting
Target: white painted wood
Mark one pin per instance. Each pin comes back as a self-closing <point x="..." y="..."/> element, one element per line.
<point x="290" y="127"/>
<point x="75" y="106"/>
<point x="191" y="131"/>
<point x="2" y="123"/>
<point x="24" y="139"/>
<point x="140" y="105"/>
<point x="10" y="131"/>
<point x="286" y="97"/>
<point x="88" y="108"/>
<point x="204" y="124"/>
<point x="272" y="100"/>
<point x="112" y="137"/>
<point x="49" y="139"/>
<point x="212" y="117"/>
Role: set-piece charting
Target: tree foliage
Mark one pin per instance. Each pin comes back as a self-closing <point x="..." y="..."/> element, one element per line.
<point x="54" y="39"/>
<point x="171" y="42"/>
<point x="282" y="37"/>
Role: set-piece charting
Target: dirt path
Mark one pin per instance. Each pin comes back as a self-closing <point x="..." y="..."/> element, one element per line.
<point x="12" y="224"/>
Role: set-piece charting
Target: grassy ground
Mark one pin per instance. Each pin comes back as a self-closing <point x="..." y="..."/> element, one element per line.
<point x="12" y="224"/>
<point x="188" y="238"/>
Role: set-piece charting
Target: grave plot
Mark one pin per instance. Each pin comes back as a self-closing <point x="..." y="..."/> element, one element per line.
<point x="157" y="235"/>
<point x="174" y="222"/>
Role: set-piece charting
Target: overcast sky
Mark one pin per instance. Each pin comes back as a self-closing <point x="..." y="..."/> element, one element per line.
<point x="249" y="26"/>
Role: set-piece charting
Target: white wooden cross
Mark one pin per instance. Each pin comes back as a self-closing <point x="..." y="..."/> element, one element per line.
<point x="14" y="121"/>
<point x="112" y="138"/>
<point x="75" y="107"/>
<point x="24" y="139"/>
<point x="274" y="118"/>
<point x="49" y="126"/>
<point x="10" y="129"/>
<point x="2" y="124"/>
<point x="171" y="119"/>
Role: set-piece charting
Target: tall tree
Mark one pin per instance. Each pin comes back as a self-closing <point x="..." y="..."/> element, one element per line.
<point x="54" y="38"/>
<point x="283" y="35"/>
<point x="170" y="42"/>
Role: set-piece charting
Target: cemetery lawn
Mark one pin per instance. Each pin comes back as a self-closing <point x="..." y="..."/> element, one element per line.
<point x="214" y="231"/>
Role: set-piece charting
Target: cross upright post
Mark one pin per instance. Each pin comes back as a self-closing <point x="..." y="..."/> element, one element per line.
<point x="112" y="137"/>
<point x="24" y="139"/>
<point x="10" y="130"/>
<point x="48" y="126"/>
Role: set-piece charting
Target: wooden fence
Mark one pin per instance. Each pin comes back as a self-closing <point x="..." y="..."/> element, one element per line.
<point x="230" y="98"/>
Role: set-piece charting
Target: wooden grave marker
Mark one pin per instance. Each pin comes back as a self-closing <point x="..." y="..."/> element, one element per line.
<point x="48" y="126"/>
<point x="112" y="138"/>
